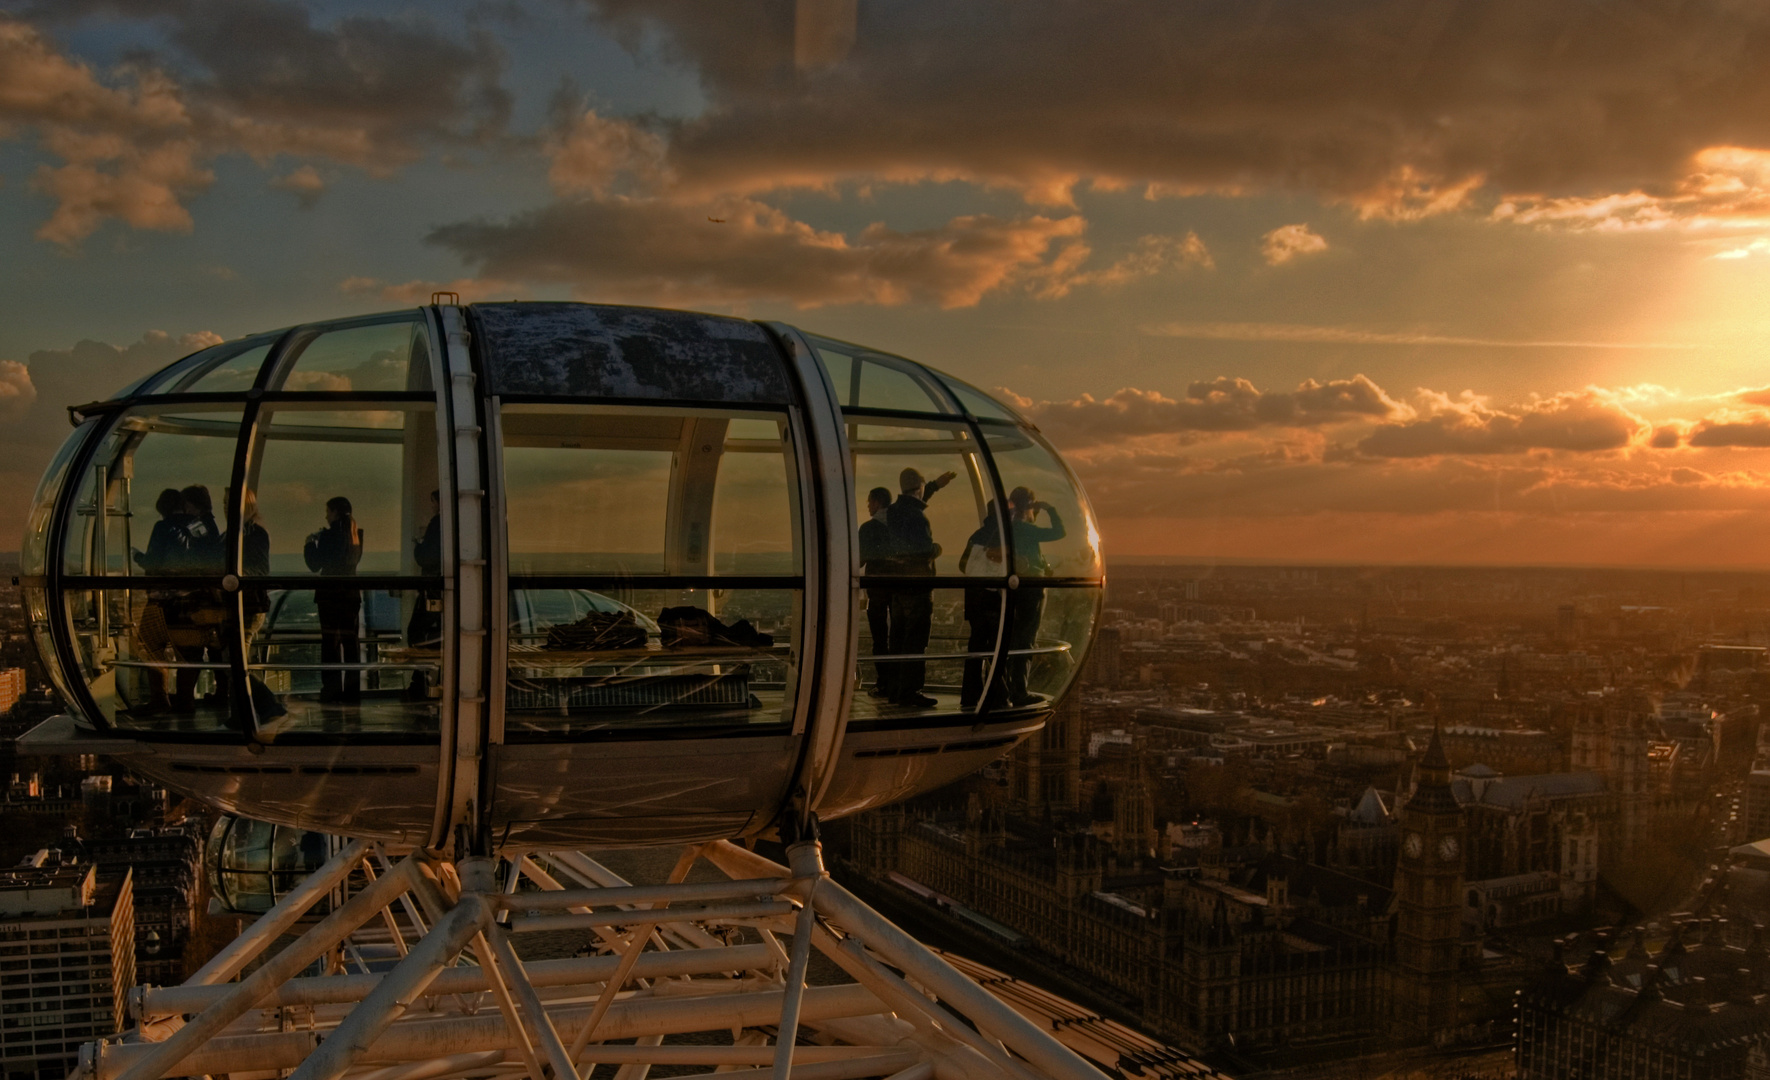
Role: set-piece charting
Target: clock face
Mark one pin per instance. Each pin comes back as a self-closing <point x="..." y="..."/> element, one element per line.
<point x="1413" y="845"/>
<point x="1447" y="848"/>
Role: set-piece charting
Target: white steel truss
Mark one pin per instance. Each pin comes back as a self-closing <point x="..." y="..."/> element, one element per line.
<point x="419" y="981"/>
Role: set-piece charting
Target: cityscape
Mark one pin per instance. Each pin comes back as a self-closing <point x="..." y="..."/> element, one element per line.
<point x="1293" y="821"/>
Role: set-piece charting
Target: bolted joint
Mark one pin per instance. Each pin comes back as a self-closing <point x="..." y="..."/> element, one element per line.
<point x="479" y="873"/>
<point x="806" y="859"/>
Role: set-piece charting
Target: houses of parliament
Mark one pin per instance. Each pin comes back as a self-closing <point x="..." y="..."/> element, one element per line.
<point x="1268" y="922"/>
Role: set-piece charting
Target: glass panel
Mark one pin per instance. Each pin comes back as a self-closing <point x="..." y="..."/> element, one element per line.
<point x="167" y="379"/>
<point x="956" y="629"/>
<point x="33" y="557"/>
<point x="162" y="476"/>
<point x="229" y="375"/>
<point x="338" y="659"/>
<point x="930" y="528"/>
<point x="37" y="611"/>
<point x="754" y="523"/>
<point x="585" y="660"/>
<point x="155" y="659"/>
<point x="1055" y="534"/>
<point x="869" y="380"/>
<point x="627" y="492"/>
<point x="319" y="472"/>
<point x="380" y="357"/>
<point x="978" y="403"/>
<point x="1048" y="631"/>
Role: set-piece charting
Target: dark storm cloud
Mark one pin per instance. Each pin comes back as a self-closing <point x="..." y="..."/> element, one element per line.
<point x="1398" y="107"/>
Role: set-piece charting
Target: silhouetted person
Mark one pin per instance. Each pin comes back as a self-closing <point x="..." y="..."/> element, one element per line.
<point x="876" y="559"/>
<point x="982" y="558"/>
<point x="1027" y="605"/>
<point x="169" y="542"/>
<point x="912" y="607"/>
<point x="167" y="552"/>
<point x="194" y="620"/>
<point x="335" y="551"/>
<point x="424" y="630"/>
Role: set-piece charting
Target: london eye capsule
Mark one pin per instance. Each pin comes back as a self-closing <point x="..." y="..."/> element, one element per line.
<point x="554" y="574"/>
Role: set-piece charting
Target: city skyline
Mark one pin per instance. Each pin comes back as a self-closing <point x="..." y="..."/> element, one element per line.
<point x="1382" y="283"/>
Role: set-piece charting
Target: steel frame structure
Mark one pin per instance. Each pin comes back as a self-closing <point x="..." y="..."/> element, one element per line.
<point x="687" y="974"/>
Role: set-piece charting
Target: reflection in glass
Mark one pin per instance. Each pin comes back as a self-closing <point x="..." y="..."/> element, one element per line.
<point x="382" y="461"/>
<point x="377" y="358"/>
<point x="310" y="676"/>
<point x="1061" y="537"/>
<point x="150" y="500"/>
<point x="156" y="659"/>
<point x="583" y="660"/>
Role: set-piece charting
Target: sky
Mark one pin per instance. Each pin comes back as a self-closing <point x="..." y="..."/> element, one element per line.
<point x="1418" y="281"/>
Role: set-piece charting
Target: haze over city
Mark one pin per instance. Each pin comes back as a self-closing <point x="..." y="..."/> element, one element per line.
<point x="1380" y="282"/>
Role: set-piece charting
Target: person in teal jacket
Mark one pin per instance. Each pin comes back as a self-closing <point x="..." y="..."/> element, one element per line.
<point x="1026" y="604"/>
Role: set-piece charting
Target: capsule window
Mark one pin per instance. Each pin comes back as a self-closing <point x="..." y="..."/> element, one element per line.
<point x="341" y="491"/>
<point x="1054" y="533"/>
<point x="584" y="661"/>
<point x="150" y="500"/>
<point x="868" y="380"/>
<point x="604" y="491"/>
<point x="936" y="493"/>
<point x="379" y="357"/>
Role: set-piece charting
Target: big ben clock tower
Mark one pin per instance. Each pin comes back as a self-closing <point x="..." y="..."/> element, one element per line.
<point x="1428" y="895"/>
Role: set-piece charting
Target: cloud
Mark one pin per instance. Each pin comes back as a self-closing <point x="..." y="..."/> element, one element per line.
<point x="252" y="77"/>
<point x="734" y="251"/>
<point x="1288" y="242"/>
<point x="1347" y="335"/>
<point x="1218" y="405"/>
<point x="305" y="182"/>
<point x="1398" y="111"/>
<point x="16" y="391"/>
<point x="1731" y="430"/>
<point x="1580" y="420"/>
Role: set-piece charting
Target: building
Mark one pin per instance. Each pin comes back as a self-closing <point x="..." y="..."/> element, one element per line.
<point x="1756" y="800"/>
<point x="165" y="865"/>
<point x="67" y="958"/>
<point x="12" y="687"/>
<point x="1696" y="1007"/>
<point x="1429" y="903"/>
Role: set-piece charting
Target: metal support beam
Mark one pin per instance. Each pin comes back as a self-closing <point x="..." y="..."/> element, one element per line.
<point x="288" y="911"/>
<point x="165" y="1057"/>
<point x="397" y="991"/>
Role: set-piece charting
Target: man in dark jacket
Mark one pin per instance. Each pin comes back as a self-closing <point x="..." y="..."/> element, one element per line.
<point x="335" y="551"/>
<point x="912" y="608"/>
<point x="876" y="560"/>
